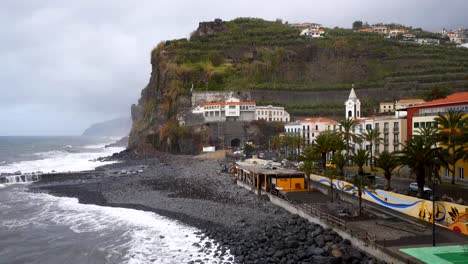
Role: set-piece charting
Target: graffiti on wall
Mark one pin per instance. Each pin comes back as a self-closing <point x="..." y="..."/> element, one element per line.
<point x="449" y="215"/>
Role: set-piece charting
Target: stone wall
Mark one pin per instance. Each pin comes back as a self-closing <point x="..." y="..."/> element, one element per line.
<point x="217" y="96"/>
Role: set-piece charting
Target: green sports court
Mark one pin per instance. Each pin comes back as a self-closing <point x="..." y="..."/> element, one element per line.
<point x="439" y="255"/>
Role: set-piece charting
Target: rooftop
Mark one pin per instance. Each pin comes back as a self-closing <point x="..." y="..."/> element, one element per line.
<point x="411" y="101"/>
<point x="451" y="99"/>
<point x="263" y="170"/>
<point x="318" y="120"/>
<point x="228" y="103"/>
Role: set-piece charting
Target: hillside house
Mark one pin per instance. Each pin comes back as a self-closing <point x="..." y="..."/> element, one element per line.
<point x="313" y="33"/>
<point x="381" y="29"/>
<point x="272" y="114"/>
<point x="230" y="110"/>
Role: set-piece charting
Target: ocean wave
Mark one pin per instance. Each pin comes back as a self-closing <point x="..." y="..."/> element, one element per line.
<point x="128" y="235"/>
<point x="61" y="161"/>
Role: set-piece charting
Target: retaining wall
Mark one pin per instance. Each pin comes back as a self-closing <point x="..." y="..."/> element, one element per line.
<point x="372" y="250"/>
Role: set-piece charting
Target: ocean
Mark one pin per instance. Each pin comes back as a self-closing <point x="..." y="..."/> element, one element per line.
<point x="41" y="228"/>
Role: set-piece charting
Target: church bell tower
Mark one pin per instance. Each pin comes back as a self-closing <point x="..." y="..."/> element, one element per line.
<point x="353" y="105"/>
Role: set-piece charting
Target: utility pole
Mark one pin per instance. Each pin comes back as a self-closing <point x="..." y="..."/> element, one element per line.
<point x="433" y="212"/>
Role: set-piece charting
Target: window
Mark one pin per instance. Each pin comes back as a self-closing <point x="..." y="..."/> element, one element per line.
<point x="461" y="173"/>
<point x="416" y="125"/>
<point x="316" y="127"/>
<point x="396" y="148"/>
<point x="368" y="127"/>
<point x="232" y="107"/>
<point x="385" y="147"/>
<point x="446" y="173"/>
<point x="395" y="125"/>
<point x="350" y="114"/>
<point x="377" y="126"/>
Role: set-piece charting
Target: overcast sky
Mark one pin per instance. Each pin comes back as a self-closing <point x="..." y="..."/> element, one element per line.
<point x="67" y="64"/>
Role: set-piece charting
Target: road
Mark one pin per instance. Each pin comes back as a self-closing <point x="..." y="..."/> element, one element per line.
<point x="401" y="185"/>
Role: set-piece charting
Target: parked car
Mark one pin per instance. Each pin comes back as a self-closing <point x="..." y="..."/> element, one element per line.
<point x="413" y="187"/>
<point x="330" y="164"/>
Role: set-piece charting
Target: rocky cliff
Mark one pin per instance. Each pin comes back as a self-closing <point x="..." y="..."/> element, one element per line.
<point x="271" y="59"/>
<point x="119" y="127"/>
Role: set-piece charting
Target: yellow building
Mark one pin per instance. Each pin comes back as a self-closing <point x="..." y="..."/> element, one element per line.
<point x="260" y="178"/>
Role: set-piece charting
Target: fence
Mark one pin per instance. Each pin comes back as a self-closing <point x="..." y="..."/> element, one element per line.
<point x="328" y="218"/>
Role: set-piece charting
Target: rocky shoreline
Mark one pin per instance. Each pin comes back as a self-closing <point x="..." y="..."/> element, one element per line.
<point x="247" y="228"/>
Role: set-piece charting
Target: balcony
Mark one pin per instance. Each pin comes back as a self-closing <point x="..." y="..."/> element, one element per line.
<point x="396" y="130"/>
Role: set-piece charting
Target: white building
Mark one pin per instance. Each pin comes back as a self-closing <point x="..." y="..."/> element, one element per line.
<point x="353" y="105"/>
<point x="313" y="32"/>
<point x="310" y="128"/>
<point x="230" y="110"/>
<point x="271" y="113"/>
<point x="403" y="104"/>
<point x="386" y="107"/>
<point x="392" y="128"/>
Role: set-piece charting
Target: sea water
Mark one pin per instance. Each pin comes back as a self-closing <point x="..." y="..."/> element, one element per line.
<point x="41" y="228"/>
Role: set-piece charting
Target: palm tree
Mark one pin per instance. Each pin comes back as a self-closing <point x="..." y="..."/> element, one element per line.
<point x="347" y="132"/>
<point x="419" y="155"/>
<point x="360" y="158"/>
<point x="340" y="161"/>
<point x="309" y="157"/>
<point x="326" y="142"/>
<point x="373" y="136"/>
<point x="388" y="162"/>
<point x="451" y="132"/>
<point x="331" y="175"/>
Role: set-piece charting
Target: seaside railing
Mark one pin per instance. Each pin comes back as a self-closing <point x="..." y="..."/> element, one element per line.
<point x="370" y="237"/>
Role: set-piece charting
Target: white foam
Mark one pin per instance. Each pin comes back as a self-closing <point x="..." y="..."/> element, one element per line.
<point x="61" y="161"/>
<point x="142" y="236"/>
<point x="2" y="186"/>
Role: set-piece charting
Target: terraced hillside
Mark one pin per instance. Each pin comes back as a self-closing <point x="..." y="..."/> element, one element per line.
<point x="270" y="58"/>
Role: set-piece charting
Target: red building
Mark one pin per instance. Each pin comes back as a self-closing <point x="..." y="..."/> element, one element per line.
<point x="456" y="101"/>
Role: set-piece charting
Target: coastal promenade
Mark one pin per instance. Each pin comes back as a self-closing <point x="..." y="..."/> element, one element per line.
<point x="381" y="232"/>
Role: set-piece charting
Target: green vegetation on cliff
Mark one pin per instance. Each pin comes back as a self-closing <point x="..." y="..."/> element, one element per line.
<point x="250" y="53"/>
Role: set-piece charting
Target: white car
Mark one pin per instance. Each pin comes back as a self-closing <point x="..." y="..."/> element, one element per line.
<point x="413" y="187"/>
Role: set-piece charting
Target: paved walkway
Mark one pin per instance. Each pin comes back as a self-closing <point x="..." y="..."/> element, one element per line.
<point x="391" y="233"/>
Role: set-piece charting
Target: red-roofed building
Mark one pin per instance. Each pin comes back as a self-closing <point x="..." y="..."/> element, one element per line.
<point x="310" y="128"/>
<point x="230" y="110"/>
<point x="423" y="115"/>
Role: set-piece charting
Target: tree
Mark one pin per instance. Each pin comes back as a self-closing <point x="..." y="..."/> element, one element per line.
<point x="326" y="142"/>
<point x="419" y="155"/>
<point x="249" y="148"/>
<point x="437" y="92"/>
<point x="388" y="162"/>
<point x="373" y="136"/>
<point x="451" y="134"/>
<point x="347" y="133"/>
<point x="360" y="158"/>
<point x="357" y="25"/>
<point x="340" y="161"/>
<point x="309" y="157"/>
<point x="331" y="174"/>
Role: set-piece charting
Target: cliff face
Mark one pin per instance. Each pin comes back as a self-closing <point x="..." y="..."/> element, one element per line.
<point x="258" y="55"/>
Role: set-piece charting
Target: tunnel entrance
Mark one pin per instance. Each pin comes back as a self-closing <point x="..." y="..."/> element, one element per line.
<point x="235" y="143"/>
